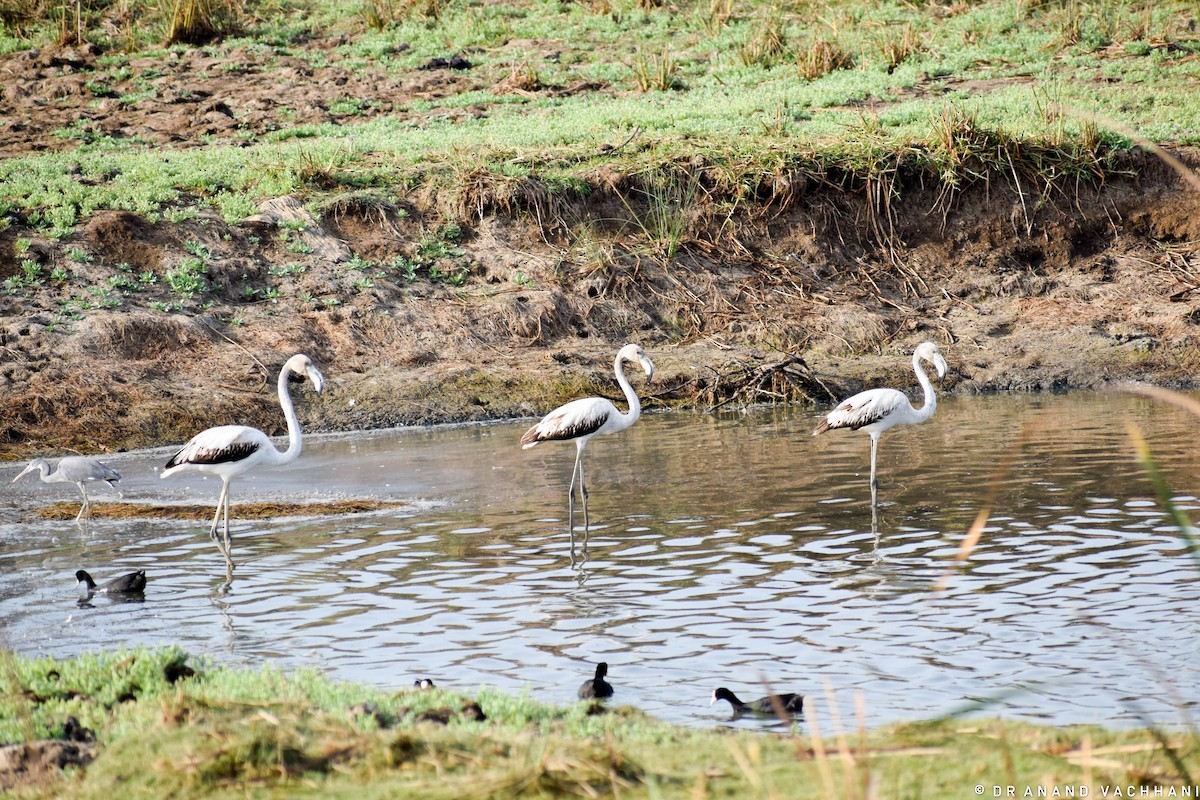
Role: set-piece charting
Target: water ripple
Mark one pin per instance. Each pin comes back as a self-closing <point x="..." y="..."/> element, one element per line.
<point x="758" y="563"/>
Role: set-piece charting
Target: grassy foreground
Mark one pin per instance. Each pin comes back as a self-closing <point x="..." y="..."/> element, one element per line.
<point x="244" y="733"/>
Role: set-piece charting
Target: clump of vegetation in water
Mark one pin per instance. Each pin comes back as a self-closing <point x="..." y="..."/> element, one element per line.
<point x="64" y="510"/>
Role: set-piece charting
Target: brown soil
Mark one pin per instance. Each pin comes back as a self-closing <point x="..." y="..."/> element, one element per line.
<point x="810" y="294"/>
<point x="39" y="763"/>
<point x="220" y="92"/>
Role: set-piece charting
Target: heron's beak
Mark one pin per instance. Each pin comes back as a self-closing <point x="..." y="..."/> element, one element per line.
<point x="23" y="473"/>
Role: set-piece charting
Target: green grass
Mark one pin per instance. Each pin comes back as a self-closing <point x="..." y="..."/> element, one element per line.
<point x="679" y="74"/>
<point x="232" y="732"/>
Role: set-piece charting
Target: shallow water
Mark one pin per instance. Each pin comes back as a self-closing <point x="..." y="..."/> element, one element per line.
<point x="732" y="550"/>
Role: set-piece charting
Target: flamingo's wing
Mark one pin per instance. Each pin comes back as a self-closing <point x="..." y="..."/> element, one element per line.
<point x="863" y="409"/>
<point x="220" y="445"/>
<point x="576" y="418"/>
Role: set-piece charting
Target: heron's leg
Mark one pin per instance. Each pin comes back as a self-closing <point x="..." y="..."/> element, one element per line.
<point x="874" y="480"/>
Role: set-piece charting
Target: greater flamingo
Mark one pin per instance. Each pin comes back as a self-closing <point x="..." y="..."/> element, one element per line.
<point x="580" y="420"/>
<point x="876" y="410"/>
<point x="231" y="450"/>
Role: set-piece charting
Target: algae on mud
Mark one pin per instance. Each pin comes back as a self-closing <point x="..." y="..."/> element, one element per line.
<point x="63" y="511"/>
<point x="154" y="728"/>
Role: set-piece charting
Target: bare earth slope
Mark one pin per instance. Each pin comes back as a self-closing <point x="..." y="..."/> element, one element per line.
<point x="811" y="294"/>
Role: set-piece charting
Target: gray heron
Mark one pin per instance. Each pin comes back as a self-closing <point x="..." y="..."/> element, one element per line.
<point x="78" y="470"/>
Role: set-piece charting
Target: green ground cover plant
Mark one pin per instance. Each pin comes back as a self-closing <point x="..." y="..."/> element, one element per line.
<point x="848" y="91"/>
<point x="156" y="723"/>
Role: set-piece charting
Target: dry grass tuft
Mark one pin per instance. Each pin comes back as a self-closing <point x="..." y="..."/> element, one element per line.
<point x="655" y="73"/>
<point x="378" y="14"/>
<point x="478" y="191"/>
<point x="16" y="15"/>
<point x="317" y="172"/>
<point x="765" y="47"/>
<point x="895" y="47"/>
<point x="383" y="14"/>
<point x="537" y="317"/>
<point x="522" y="79"/>
<point x="855" y="330"/>
<point x="365" y="205"/>
<point x="822" y="57"/>
<point x="562" y="773"/>
<point x="137" y="337"/>
<point x="201" y="21"/>
<point x="720" y="12"/>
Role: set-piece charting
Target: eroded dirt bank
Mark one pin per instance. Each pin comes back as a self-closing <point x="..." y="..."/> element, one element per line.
<point x="813" y="293"/>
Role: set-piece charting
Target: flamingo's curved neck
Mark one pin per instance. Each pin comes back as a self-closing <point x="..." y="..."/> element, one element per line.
<point x="635" y="405"/>
<point x="926" y="411"/>
<point x="295" y="439"/>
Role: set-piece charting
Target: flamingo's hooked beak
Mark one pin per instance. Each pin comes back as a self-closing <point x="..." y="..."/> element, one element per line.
<point x="318" y="380"/>
<point x="940" y="365"/>
<point x="648" y="366"/>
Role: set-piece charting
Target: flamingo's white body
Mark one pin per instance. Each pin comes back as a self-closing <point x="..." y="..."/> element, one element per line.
<point x="580" y="420"/>
<point x="231" y="450"/>
<point x="876" y="410"/>
<point x="77" y="470"/>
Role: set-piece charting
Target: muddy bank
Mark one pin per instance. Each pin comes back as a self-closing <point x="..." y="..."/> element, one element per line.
<point x="415" y="320"/>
